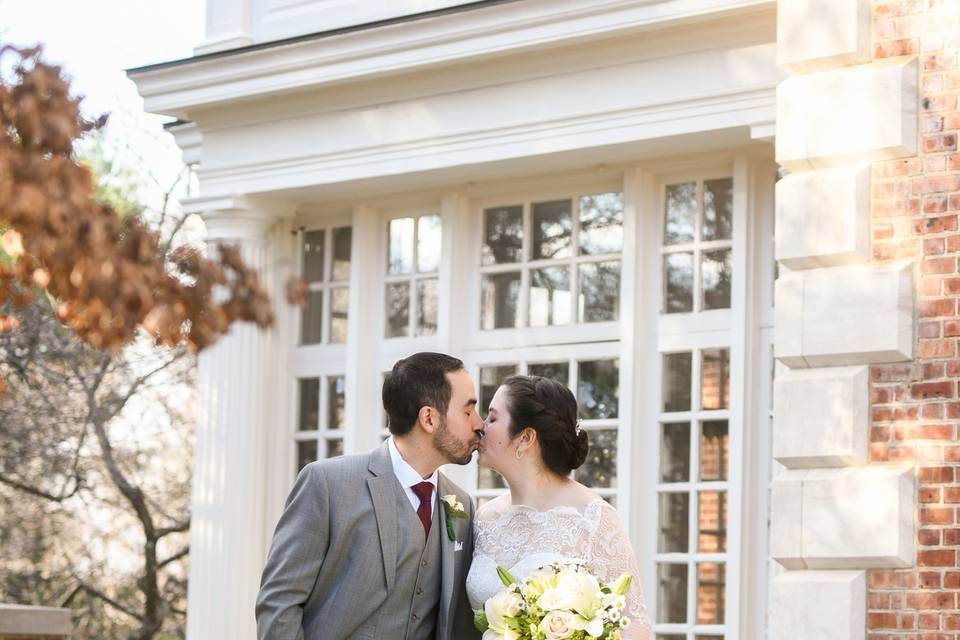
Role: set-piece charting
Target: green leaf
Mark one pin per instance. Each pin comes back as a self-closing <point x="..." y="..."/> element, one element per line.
<point x="480" y="620"/>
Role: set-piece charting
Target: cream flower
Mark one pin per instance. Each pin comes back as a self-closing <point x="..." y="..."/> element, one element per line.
<point x="573" y="590"/>
<point x="506" y="604"/>
<point x="558" y="624"/>
<point x="452" y="502"/>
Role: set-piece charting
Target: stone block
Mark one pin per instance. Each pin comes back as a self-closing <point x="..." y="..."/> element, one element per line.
<point x="821" y="417"/>
<point x="822" y="34"/>
<point x="823" y="217"/>
<point x="848" y="115"/>
<point x="818" y="605"/>
<point x="845" y="315"/>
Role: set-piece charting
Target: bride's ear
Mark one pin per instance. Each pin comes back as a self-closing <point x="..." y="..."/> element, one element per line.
<point x="528" y="437"/>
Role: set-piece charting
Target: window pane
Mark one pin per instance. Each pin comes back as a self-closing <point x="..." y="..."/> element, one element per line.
<point x="674" y="523"/>
<point x="550" y="296"/>
<point x="681" y="210"/>
<point x="311" y="318"/>
<point x="334" y="447"/>
<point x="489" y="479"/>
<point x="678" y="282"/>
<point x="490" y="379"/>
<point x="717" y="209"/>
<point x="598" y="391"/>
<point x="339" y="306"/>
<point x="306" y="453"/>
<point x="501" y="299"/>
<point x="677" y="374"/>
<point x="313" y="255"/>
<point x="671" y="593"/>
<point x="427" y="307"/>
<point x="342" y="239"/>
<point x="716" y="273"/>
<point x="601" y="223"/>
<point x="398" y="309"/>
<point x="675" y="452"/>
<point x="711" y="581"/>
<point x="672" y="636"/>
<point x="309" y="404"/>
<point x="715" y="379"/>
<point x="400" y="259"/>
<point x="336" y="402"/>
<point x="503" y="235"/>
<point x="600" y="467"/>
<point x="599" y="291"/>
<point x="714" y="450"/>
<point x="429" y="243"/>
<point x="712" y="521"/>
<point x="552" y="229"/>
<point x="559" y="371"/>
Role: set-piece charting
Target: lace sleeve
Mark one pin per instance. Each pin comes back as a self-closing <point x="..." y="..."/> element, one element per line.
<point x="610" y="554"/>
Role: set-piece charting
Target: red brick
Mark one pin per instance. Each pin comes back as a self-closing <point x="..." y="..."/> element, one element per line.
<point x="951" y="328"/>
<point x="940" y="142"/>
<point x="893" y="48"/>
<point x="935" y="225"/>
<point x="924" y="390"/>
<point x="937" y="348"/>
<point x="951" y="494"/>
<point x="933" y="246"/>
<point x="935" y="475"/>
<point x="936" y="516"/>
<point x="932" y="432"/>
<point x="937" y="308"/>
<point x="929" y="328"/>
<point x="946" y="264"/>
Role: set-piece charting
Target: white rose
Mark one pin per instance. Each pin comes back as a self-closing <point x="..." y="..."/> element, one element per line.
<point x="575" y="590"/>
<point x="557" y="625"/>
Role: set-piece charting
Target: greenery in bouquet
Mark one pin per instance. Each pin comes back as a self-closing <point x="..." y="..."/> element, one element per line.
<point x="559" y="601"/>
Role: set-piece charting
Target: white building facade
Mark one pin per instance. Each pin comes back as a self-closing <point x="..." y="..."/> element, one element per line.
<point x="575" y="188"/>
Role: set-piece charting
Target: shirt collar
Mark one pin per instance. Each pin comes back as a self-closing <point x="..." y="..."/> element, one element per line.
<point x="406" y="474"/>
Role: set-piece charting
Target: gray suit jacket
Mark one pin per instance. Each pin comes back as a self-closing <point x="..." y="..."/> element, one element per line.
<point x="333" y="558"/>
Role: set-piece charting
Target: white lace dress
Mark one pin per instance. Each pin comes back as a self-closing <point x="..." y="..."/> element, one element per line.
<point x="520" y="539"/>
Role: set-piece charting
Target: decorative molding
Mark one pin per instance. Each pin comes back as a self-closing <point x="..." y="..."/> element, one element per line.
<point x="822" y="34"/>
<point x="818" y="605"/>
<point x="173" y="88"/>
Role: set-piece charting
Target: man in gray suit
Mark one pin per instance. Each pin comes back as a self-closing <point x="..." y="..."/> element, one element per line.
<point x="368" y="545"/>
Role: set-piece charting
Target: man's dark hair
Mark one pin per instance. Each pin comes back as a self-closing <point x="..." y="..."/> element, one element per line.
<point x="417" y="381"/>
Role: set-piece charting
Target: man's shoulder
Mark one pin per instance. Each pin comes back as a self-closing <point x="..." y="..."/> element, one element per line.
<point x="355" y="465"/>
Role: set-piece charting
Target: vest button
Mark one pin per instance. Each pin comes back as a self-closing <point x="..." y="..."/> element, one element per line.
<point x="423" y="563"/>
<point x="419" y="590"/>
<point x="414" y="617"/>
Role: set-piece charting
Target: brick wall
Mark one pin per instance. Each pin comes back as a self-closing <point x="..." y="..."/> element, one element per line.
<point x="916" y="407"/>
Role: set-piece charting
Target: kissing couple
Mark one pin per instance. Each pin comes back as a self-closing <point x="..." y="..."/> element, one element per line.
<point x="381" y="545"/>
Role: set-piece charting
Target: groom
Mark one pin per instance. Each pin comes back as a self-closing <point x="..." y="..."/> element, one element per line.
<point x="364" y="547"/>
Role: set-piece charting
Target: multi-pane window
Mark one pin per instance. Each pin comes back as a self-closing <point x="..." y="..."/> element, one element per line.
<point x="320" y="418"/>
<point x="596" y="384"/>
<point x="551" y="263"/>
<point x="692" y="494"/>
<point x="697" y="245"/>
<point x="326" y="269"/>
<point x="413" y="263"/>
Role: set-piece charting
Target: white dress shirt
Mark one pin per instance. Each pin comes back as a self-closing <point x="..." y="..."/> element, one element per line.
<point x="408" y="477"/>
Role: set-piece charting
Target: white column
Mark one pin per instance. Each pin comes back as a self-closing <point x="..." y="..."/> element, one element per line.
<point x="227" y="533"/>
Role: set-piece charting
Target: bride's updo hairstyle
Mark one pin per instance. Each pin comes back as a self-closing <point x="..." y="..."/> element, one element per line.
<point x="549" y="408"/>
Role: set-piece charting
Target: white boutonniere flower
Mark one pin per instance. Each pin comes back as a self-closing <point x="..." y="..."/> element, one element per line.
<point x="454" y="509"/>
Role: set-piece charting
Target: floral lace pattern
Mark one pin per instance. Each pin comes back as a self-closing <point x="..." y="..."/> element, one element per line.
<point x="521" y="538"/>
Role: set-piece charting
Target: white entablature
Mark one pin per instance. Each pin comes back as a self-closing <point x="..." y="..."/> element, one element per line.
<point x="527" y="87"/>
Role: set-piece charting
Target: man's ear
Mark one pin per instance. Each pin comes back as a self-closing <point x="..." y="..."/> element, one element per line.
<point x="427" y="418"/>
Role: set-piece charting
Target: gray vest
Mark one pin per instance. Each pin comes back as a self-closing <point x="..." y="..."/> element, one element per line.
<point x="418" y="579"/>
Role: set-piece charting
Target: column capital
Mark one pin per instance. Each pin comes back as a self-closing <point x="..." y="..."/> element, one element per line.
<point x="239" y="218"/>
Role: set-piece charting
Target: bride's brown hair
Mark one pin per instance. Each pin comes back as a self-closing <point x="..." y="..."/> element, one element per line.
<point x="549" y="408"/>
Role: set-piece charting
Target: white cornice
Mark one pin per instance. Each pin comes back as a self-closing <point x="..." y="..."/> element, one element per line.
<point x="176" y="89"/>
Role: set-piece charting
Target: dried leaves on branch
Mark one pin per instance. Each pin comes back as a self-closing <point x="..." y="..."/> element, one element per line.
<point x="109" y="274"/>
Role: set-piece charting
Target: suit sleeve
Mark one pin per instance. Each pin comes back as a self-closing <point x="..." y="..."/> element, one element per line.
<point x="296" y="557"/>
<point x="463" y="628"/>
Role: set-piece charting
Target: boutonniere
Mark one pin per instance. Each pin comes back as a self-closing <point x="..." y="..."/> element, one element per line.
<point x="454" y="509"/>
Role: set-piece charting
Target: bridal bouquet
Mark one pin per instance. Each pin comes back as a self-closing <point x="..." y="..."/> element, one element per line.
<point x="558" y="601"/>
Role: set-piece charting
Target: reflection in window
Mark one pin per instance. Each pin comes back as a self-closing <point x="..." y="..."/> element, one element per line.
<point x="567" y="271"/>
<point x="599" y="389"/>
<point x="697" y="246"/>
<point x="315" y="436"/>
<point x="414" y="249"/>
<point x="325" y="265"/>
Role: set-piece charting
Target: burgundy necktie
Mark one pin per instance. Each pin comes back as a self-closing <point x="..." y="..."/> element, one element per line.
<point x="424" y="491"/>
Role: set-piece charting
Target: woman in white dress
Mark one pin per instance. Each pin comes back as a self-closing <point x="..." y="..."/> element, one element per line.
<point x="532" y="439"/>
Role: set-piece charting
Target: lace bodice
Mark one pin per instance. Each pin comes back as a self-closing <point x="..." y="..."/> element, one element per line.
<point x="520" y="539"/>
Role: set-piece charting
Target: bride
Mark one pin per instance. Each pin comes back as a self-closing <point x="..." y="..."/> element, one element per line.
<point x="532" y="439"/>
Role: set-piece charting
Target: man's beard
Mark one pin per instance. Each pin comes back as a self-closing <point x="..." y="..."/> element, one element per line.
<point x="449" y="446"/>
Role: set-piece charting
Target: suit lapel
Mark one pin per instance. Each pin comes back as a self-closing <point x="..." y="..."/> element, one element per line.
<point x="447" y="556"/>
<point x="385" y="506"/>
